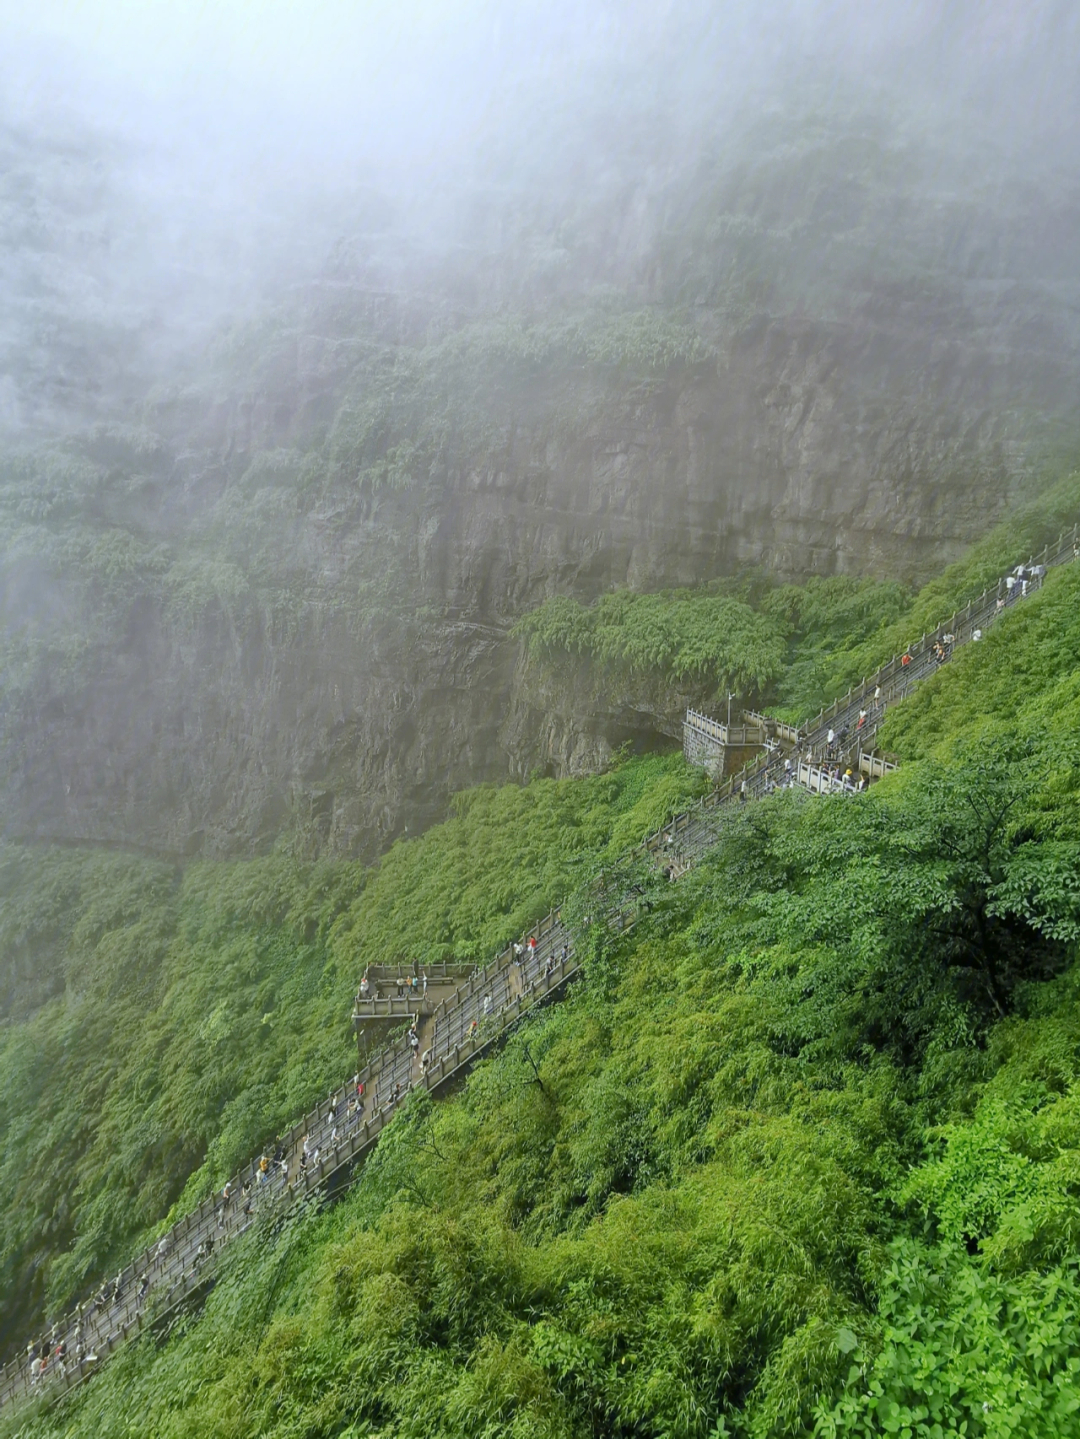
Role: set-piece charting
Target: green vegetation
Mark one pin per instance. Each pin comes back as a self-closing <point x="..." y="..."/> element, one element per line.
<point x="792" y="648"/>
<point x="1023" y="534"/>
<point x="821" y="620"/>
<point x="768" y="645"/>
<point x="162" y="1024"/>
<point x="800" y="1156"/>
<point x="684" y="636"/>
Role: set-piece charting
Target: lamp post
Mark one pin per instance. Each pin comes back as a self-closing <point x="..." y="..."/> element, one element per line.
<point x="730" y="697"/>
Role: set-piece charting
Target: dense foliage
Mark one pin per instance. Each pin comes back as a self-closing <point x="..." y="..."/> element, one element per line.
<point x="799" y="1156"/>
<point x="164" y="1023"/>
<point x="791" y="647"/>
<point x="764" y="644"/>
<point x="701" y="636"/>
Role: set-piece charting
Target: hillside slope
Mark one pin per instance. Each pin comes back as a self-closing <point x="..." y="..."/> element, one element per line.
<point x="813" y="1121"/>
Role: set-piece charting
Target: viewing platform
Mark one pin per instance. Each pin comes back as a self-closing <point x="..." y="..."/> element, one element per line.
<point x="719" y="747"/>
<point x="400" y="994"/>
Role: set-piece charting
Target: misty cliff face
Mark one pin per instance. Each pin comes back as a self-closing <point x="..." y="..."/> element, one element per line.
<point x="273" y="599"/>
<point x="332" y="664"/>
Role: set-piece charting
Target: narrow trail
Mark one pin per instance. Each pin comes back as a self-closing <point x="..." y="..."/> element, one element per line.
<point x="457" y="1030"/>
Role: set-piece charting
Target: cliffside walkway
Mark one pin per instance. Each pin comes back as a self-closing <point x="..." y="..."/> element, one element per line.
<point x="322" y="1149"/>
<point x="855" y="719"/>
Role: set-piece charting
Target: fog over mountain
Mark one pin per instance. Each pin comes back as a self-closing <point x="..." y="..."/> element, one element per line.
<point x="167" y="166"/>
<point x="334" y="338"/>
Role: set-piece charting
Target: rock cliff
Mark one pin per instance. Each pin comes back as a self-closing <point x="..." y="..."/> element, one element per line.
<point x="276" y="605"/>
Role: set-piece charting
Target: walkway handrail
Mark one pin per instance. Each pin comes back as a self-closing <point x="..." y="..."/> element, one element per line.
<point x="896" y="678"/>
